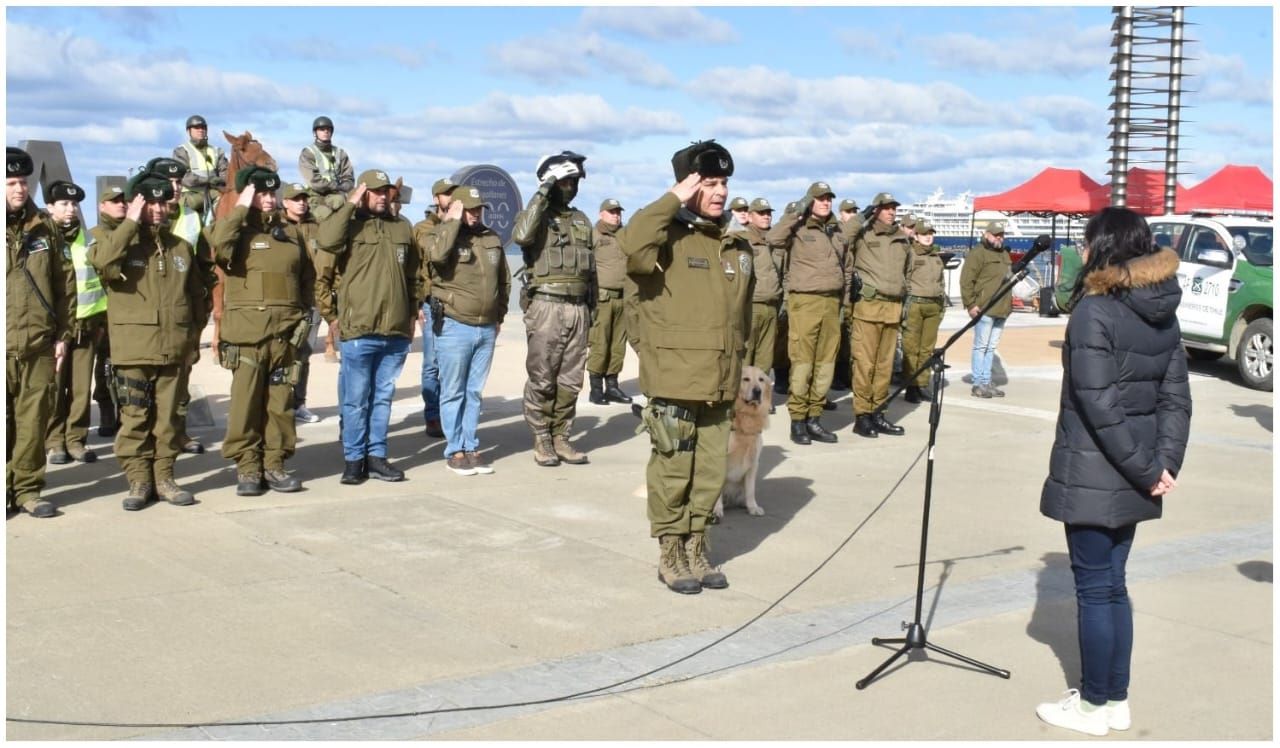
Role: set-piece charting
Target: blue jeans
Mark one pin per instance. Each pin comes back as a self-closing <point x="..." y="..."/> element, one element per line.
<point x="430" y="370"/>
<point x="366" y="384"/>
<point x="986" y="336"/>
<point x="1104" y="616"/>
<point x="464" y="353"/>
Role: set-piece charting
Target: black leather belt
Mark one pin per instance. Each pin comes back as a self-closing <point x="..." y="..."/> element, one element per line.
<point x="558" y="298"/>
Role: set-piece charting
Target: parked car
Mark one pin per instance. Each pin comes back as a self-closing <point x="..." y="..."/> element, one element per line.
<point x="1226" y="285"/>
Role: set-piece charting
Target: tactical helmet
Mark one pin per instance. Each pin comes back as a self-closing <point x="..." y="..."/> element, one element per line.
<point x="196" y="120"/>
<point x="320" y="122"/>
<point x="548" y="161"/>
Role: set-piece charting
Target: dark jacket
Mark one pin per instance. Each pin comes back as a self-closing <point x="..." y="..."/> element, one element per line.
<point x="1126" y="403"/>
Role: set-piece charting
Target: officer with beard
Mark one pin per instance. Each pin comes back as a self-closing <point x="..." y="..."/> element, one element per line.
<point x="555" y="239"/>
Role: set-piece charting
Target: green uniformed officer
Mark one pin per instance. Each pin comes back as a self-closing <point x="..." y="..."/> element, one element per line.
<point x="40" y="298"/>
<point x="326" y="169"/>
<point x="738" y="209"/>
<point x="111" y="211"/>
<point x="768" y="262"/>
<point x="695" y="284"/>
<point x="267" y="301"/>
<point x="609" y="323"/>
<point x="206" y="166"/>
<point x="555" y="239"/>
<point x="850" y="218"/>
<point x="297" y="213"/>
<point x="985" y="268"/>
<point x="816" y="277"/>
<point x="926" y="302"/>
<point x="880" y="256"/>
<point x="850" y="223"/>
<point x="441" y="196"/>
<point x="158" y="300"/>
<point x="69" y="421"/>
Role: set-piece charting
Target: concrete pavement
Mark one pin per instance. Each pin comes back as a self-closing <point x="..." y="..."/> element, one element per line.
<point x="444" y="591"/>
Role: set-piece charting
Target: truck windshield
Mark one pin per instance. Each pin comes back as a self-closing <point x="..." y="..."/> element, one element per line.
<point x="1256" y="241"/>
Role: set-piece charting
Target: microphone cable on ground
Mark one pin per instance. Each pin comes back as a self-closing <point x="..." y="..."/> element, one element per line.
<point x="598" y="691"/>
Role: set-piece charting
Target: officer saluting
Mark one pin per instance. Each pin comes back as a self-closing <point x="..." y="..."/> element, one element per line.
<point x="40" y="294"/>
<point x="156" y="294"/>
<point x="695" y="285"/>
<point x="266" y="317"/>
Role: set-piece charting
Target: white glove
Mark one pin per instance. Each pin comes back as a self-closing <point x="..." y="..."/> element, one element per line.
<point x="562" y="170"/>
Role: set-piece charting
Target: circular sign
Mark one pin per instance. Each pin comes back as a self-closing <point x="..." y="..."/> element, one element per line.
<point x="500" y="195"/>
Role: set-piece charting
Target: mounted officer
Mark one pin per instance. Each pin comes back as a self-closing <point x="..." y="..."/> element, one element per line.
<point x="206" y="167"/>
<point x="326" y="170"/>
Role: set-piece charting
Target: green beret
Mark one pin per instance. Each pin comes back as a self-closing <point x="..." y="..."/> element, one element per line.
<point x="166" y="168"/>
<point x="262" y="178"/>
<point x="151" y="187"/>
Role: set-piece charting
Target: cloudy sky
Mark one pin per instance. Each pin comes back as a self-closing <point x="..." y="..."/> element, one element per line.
<point x="904" y="99"/>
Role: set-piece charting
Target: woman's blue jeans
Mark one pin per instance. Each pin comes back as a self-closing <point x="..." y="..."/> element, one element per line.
<point x="1103" y="613"/>
<point x="366" y="383"/>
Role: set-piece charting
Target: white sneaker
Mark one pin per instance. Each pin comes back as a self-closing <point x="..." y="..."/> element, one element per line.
<point x="1067" y="713"/>
<point x="304" y="415"/>
<point x="1118" y="717"/>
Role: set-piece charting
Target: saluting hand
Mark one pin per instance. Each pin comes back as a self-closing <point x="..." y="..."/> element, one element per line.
<point x="688" y="187"/>
<point x="134" y="213"/>
<point x="357" y="194"/>
<point x="246" y="196"/>
<point x="455" y="211"/>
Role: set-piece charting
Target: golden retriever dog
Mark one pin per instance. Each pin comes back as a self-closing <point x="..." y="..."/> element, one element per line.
<point x="746" y="440"/>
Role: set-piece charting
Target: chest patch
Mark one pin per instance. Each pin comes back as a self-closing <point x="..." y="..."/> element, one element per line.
<point x="744" y="263"/>
<point x="400" y="253"/>
<point x="700" y="263"/>
<point x="730" y="271"/>
<point x="180" y="263"/>
<point x="260" y="245"/>
<point x="494" y="255"/>
<point x="37" y="245"/>
<point x="137" y="264"/>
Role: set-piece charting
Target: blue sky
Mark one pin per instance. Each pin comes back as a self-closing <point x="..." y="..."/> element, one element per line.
<point x="903" y="99"/>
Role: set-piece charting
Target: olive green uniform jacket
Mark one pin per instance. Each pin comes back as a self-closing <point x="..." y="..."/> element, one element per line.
<point x="611" y="264"/>
<point x="767" y="263"/>
<point x="270" y="281"/>
<point x="924" y="275"/>
<point x="156" y="293"/>
<point x="693" y="304"/>
<point x="378" y="262"/>
<point x="35" y="244"/>
<point x="421" y="232"/>
<point x="471" y="275"/>
<point x="816" y="261"/>
<point x="880" y="257"/>
<point x="985" y="268"/>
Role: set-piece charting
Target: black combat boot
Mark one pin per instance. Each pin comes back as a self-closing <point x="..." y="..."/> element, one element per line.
<point x="865" y="426"/>
<point x="597" y="389"/>
<point x="828" y="405"/>
<point x="913" y="394"/>
<point x="355" y="472"/>
<point x="814" y="427"/>
<point x="884" y="427"/>
<point x="381" y="469"/>
<point x="612" y="392"/>
<point x="799" y="433"/>
<point x="249" y="484"/>
<point x="279" y="480"/>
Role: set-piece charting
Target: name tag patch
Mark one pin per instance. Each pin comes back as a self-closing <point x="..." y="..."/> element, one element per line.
<point x="699" y="262"/>
<point x="37" y="245"/>
<point x="260" y="245"/>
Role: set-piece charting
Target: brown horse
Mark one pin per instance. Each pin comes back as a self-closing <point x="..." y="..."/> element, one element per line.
<point x="246" y="152"/>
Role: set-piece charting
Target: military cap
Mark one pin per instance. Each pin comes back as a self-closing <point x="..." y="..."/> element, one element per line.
<point x="848" y="204"/>
<point x="262" y="179"/>
<point x="442" y="186"/>
<point x="760" y="205"/>
<point x="167" y="168"/>
<point x="792" y="207"/>
<point x="558" y="158"/>
<point x="17" y="163"/>
<point x="882" y="199"/>
<point x="151" y="187"/>
<point x="320" y="122"/>
<point x="404" y="195"/>
<point x="819" y="189"/>
<point x="373" y="179"/>
<point x="611" y="204"/>
<point x="468" y="196"/>
<point x="705" y="157"/>
<point x="196" y="120"/>
<point x="295" y="190"/>
<point x="110" y="188"/>
<point x="62" y="190"/>
<point x="738" y="203"/>
<point x="995" y="228"/>
<point x="923" y="226"/>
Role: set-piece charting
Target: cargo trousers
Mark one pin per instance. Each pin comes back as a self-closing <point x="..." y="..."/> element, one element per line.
<point x="920" y="336"/>
<point x="763" y="336"/>
<point x="261" y="432"/>
<point x="683" y="485"/>
<point x="556" y="333"/>
<point x="29" y="384"/>
<point x="70" y="415"/>
<point x="813" y="336"/>
<point x="608" y="336"/>
<point x="875" y="340"/>
<point x="148" y="441"/>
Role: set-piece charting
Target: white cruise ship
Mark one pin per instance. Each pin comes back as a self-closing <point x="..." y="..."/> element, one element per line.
<point x="952" y="218"/>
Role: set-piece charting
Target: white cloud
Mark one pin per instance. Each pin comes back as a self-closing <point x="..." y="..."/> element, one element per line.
<point x="1067" y="113"/>
<point x="547" y="59"/>
<point x="633" y="65"/>
<point x="1053" y="50"/>
<point x="1224" y="78"/>
<point x="663" y="24"/>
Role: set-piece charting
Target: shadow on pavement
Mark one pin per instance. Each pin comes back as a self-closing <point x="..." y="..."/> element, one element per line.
<point x="1258" y="571"/>
<point x="1260" y="413"/>
<point x="1053" y="621"/>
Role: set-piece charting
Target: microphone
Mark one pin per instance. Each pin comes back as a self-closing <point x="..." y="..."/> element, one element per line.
<point x="1041" y="243"/>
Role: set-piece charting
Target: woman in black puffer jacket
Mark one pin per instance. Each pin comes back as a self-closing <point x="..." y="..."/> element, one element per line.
<point x="1121" y="436"/>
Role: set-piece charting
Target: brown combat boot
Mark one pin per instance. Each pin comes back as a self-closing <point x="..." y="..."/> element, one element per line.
<point x="543" y="452"/>
<point x="139" y="495"/>
<point x="566" y="452"/>
<point x="673" y="566"/>
<point x="173" y="493"/>
<point x="695" y="549"/>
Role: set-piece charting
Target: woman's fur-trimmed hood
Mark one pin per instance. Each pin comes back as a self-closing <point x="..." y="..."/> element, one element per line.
<point x="1147" y="270"/>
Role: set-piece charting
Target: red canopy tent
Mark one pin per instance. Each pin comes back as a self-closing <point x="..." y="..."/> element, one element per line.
<point x="1241" y="188"/>
<point x="1145" y="194"/>
<point x="1052" y="191"/>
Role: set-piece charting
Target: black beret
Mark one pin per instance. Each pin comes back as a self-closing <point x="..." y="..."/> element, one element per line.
<point x="151" y="187"/>
<point x="165" y="168"/>
<point x="62" y="190"/>
<point x="18" y="163"/>
<point x="263" y="179"/>
<point x="706" y="157"/>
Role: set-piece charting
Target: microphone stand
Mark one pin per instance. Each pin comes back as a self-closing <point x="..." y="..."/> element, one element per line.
<point x="917" y="637"/>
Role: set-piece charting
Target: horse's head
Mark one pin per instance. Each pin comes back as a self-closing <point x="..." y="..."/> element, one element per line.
<point x="247" y="151"/>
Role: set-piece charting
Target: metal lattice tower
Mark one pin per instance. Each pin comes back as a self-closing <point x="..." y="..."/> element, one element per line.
<point x="1147" y="96"/>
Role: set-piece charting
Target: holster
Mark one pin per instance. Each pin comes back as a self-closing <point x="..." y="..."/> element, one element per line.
<point x="437" y="315"/>
<point x="228" y="355"/>
<point x="671" y="427"/>
<point x="137" y="392"/>
<point x="301" y="332"/>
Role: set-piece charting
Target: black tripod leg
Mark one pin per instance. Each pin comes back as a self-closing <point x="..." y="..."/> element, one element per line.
<point x="968" y="660"/>
<point x="863" y="683"/>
